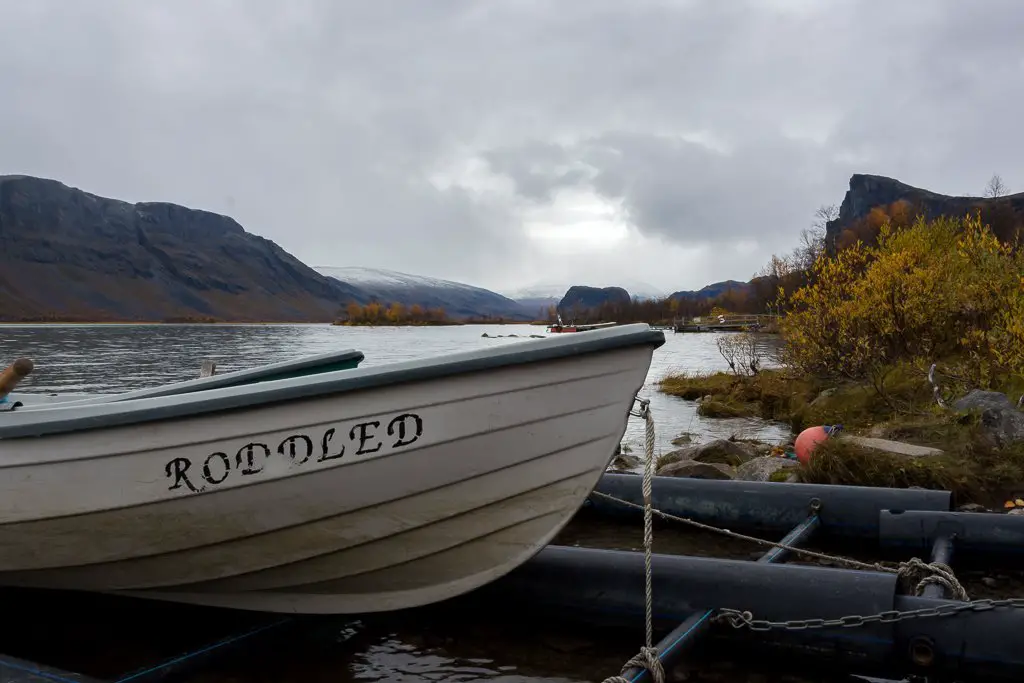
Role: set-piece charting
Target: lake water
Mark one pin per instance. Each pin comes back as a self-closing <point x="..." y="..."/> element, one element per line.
<point x="111" y="358"/>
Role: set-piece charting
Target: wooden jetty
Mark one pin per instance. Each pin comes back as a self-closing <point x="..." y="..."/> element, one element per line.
<point x="725" y="323"/>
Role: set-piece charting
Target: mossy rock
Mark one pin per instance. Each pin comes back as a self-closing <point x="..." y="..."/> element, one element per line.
<point x="720" y="451"/>
<point x="715" y="408"/>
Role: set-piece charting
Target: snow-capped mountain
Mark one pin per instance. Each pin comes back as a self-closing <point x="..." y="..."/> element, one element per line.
<point x="458" y="299"/>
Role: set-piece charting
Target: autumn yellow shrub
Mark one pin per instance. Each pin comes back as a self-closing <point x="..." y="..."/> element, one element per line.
<point x="944" y="291"/>
<point x="375" y="313"/>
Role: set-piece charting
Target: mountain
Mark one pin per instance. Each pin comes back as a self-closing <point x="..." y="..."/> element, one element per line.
<point x="67" y="254"/>
<point x="580" y="297"/>
<point x="532" y="295"/>
<point x="539" y="305"/>
<point x="457" y="299"/>
<point x="711" y="291"/>
<point x="1004" y="214"/>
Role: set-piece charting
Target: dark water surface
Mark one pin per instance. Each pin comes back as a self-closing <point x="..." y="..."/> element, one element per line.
<point x="107" y="637"/>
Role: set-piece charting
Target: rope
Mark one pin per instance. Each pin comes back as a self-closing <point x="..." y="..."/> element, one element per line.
<point x="647" y="658"/>
<point x="938" y="573"/>
<point x="647" y="487"/>
<point x="934" y="572"/>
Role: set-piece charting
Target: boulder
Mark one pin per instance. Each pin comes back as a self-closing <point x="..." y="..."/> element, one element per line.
<point x="823" y="396"/>
<point x="720" y="451"/>
<point x="1001" y="421"/>
<point x="682" y="439"/>
<point x="625" y="461"/>
<point x="893" y="447"/>
<point x="762" y="468"/>
<point x="697" y="470"/>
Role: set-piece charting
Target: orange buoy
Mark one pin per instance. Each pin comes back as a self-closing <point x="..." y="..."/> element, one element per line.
<point x="809" y="439"/>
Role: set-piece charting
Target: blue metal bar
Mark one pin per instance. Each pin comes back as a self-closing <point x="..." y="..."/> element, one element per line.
<point x="672" y="646"/>
<point x="801" y="533"/>
<point x="942" y="551"/>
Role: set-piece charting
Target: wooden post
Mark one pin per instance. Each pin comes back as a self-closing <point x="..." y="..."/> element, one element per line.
<point x="208" y="369"/>
<point x="13" y="374"/>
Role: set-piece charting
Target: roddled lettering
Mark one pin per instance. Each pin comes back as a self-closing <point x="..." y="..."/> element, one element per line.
<point x="362" y="438"/>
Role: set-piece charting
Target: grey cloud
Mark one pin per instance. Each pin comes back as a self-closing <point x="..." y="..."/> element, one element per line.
<point x="320" y="124"/>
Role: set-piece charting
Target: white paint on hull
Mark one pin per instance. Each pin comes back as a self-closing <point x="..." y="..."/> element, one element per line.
<point x="504" y="460"/>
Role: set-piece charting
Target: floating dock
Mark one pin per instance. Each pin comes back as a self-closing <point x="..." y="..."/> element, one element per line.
<point x="862" y="620"/>
<point x="725" y="323"/>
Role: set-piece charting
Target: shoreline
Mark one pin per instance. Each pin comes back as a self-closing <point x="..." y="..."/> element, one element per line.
<point x="924" y="444"/>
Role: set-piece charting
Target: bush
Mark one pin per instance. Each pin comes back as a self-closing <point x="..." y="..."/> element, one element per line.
<point x="945" y="290"/>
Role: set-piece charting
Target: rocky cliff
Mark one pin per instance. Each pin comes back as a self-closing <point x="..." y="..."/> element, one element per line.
<point x="1005" y="214"/>
<point x="69" y="255"/>
<point x="581" y="297"/>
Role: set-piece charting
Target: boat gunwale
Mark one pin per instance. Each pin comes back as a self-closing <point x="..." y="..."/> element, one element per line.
<point x="223" y="380"/>
<point x="64" y="418"/>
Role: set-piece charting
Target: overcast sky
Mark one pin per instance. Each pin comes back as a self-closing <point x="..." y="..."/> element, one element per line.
<point x="503" y="143"/>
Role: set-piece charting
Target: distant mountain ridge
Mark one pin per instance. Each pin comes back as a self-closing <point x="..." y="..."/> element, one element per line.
<point x="459" y="300"/>
<point x="66" y="254"/>
<point x="69" y="255"/>
<point x="711" y="291"/>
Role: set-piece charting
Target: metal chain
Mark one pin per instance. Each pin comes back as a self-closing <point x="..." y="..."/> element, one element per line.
<point x="647" y="658"/>
<point x="741" y="619"/>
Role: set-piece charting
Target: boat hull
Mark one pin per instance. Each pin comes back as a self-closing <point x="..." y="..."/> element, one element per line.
<point x="375" y="499"/>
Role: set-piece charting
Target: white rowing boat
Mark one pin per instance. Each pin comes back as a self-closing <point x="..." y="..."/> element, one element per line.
<point x="353" y="491"/>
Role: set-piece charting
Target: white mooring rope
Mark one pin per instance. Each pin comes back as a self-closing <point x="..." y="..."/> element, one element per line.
<point x="647" y="658"/>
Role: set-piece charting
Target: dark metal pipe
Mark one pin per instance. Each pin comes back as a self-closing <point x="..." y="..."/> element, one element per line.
<point x="974" y="646"/>
<point x="14" y="670"/>
<point x="942" y="551"/>
<point x="845" y="510"/>
<point x="607" y="585"/>
<point x="975" y="532"/>
<point x="589" y="585"/>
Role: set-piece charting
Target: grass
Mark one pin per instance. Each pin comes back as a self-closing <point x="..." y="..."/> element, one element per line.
<point x="974" y="472"/>
<point x="899" y="406"/>
<point x="772" y="394"/>
<point x="905" y="397"/>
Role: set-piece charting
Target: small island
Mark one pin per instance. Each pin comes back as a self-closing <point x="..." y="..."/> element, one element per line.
<point x="375" y="314"/>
